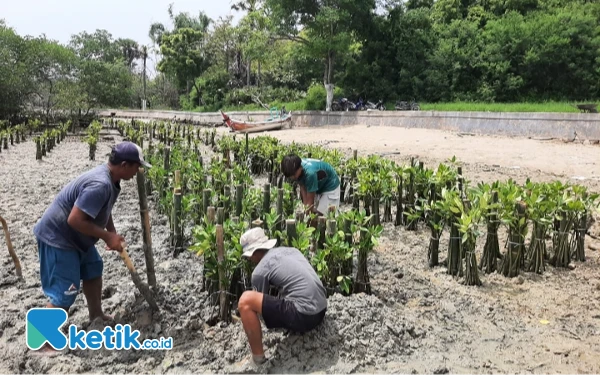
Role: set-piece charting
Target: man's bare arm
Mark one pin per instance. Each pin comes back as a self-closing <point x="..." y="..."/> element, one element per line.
<point x="110" y="226"/>
<point x="81" y="222"/>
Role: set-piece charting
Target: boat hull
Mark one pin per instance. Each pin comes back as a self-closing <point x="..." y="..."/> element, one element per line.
<point x="253" y="127"/>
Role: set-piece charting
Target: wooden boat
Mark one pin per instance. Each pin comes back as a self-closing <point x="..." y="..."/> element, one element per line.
<point x="273" y="123"/>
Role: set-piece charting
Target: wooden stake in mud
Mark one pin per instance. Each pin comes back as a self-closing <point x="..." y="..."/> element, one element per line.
<point x="38" y="150"/>
<point x="321" y="227"/>
<point x="278" y="225"/>
<point x="11" y="250"/>
<point x="146" y="234"/>
<point x="239" y="195"/>
<point x="247" y="147"/>
<point x="142" y="287"/>
<point x="227" y="203"/>
<point x="348" y="239"/>
<point x="177" y="227"/>
<point x="206" y="199"/>
<point x="220" y="215"/>
<point x="266" y="201"/>
<point x="211" y="215"/>
<point x="167" y="154"/>
<point x="291" y="231"/>
<point x="223" y="296"/>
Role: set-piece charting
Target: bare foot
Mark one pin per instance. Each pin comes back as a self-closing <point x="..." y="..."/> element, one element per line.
<point x="104" y="317"/>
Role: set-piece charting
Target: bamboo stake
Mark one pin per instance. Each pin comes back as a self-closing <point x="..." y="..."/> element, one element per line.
<point x="177" y="227"/>
<point x="166" y="161"/>
<point x="146" y="233"/>
<point x="142" y="287"/>
<point x="211" y="214"/>
<point x="278" y="225"/>
<point x="266" y="201"/>
<point x="206" y="199"/>
<point x="321" y="227"/>
<point x="11" y="250"/>
<point x="239" y="195"/>
<point x="220" y="215"/>
<point x="223" y="296"/>
<point x="227" y="203"/>
<point x="348" y="239"/>
<point x="291" y="231"/>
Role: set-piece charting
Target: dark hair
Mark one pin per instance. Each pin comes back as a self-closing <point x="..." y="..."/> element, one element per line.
<point x="290" y="164"/>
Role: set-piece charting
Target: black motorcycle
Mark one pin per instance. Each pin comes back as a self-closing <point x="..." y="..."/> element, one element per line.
<point x="342" y="105"/>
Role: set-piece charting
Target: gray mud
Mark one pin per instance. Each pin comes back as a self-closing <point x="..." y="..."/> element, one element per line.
<point x="418" y="320"/>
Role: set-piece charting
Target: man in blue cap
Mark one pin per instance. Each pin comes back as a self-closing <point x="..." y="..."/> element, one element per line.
<point x="80" y="215"/>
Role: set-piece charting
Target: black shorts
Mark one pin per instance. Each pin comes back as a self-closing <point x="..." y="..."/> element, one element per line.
<point x="279" y="313"/>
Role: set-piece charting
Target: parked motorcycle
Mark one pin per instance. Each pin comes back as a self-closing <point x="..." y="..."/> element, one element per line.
<point x="376" y="106"/>
<point x="342" y="104"/>
<point x="407" y="106"/>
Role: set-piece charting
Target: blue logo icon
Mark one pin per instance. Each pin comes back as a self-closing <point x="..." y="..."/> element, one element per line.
<point x="44" y="326"/>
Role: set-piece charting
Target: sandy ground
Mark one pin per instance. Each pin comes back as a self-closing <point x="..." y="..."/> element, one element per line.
<point x="417" y="321"/>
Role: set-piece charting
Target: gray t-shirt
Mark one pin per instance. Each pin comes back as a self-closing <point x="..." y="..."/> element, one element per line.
<point x="94" y="193"/>
<point x="288" y="270"/>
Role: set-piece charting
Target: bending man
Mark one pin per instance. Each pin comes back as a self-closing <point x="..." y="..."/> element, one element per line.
<point x="319" y="183"/>
<point x="80" y="215"/>
<point x="302" y="301"/>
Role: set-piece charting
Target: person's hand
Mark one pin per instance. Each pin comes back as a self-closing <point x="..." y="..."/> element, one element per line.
<point x="114" y="241"/>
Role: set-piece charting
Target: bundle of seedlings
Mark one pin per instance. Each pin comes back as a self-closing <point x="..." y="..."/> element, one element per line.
<point x="451" y="207"/>
<point x="338" y="253"/>
<point x="92" y="138"/>
<point x="490" y="207"/>
<point x="368" y="239"/>
<point x="541" y="206"/>
<point x="516" y="220"/>
<point x="587" y="204"/>
<point x="568" y="207"/>
<point x="435" y="220"/>
<point x="468" y="226"/>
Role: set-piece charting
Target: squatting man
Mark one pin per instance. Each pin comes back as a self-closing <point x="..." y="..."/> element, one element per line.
<point x="302" y="301"/>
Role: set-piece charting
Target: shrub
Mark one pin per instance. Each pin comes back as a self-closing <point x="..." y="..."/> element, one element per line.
<point x="316" y="97"/>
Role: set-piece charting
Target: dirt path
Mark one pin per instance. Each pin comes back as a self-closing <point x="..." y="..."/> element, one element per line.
<point x="418" y="320"/>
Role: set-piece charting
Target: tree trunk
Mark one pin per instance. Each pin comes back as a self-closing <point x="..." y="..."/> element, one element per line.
<point x="258" y="76"/>
<point x="248" y="73"/>
<point x="327" y="81"/>
<point x="144" y="76"/>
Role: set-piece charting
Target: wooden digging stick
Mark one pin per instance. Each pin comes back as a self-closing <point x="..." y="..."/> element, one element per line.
<point x="143" y="288"/>
<point x="11" y="250"/>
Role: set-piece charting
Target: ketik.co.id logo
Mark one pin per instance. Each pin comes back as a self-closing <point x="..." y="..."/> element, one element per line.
<point x="44" y="326"/>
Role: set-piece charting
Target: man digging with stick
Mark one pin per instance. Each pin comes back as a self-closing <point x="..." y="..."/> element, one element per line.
<point x="302" y="301"/>
<point x="319" y="183"/>
<point x="67" y="233"/>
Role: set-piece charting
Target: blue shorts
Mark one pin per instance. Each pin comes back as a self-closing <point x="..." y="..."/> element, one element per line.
<point x="62" y="270"/>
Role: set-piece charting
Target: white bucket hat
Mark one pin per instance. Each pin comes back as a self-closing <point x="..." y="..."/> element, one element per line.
<point x="255" y="239"/>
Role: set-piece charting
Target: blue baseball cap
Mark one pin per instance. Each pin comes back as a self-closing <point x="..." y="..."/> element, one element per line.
<point x="129" y="151"/>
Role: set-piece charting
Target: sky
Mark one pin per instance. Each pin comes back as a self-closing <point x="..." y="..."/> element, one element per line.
<point x="122" y="18"/>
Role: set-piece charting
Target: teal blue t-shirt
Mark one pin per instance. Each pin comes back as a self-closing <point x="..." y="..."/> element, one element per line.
<point x="319" y="176"/>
